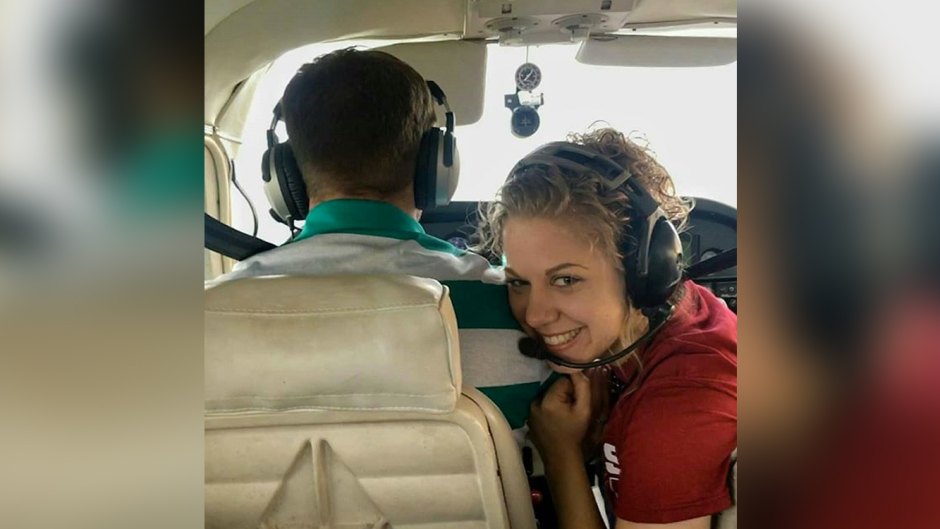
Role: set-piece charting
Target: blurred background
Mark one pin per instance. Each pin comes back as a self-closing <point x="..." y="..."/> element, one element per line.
<point x="839" y="302"/>
<point x="101" y="264"/>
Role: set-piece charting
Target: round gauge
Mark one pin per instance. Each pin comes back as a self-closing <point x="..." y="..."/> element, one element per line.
<point x="525" y="121"/>
<point x="528" y="76"/>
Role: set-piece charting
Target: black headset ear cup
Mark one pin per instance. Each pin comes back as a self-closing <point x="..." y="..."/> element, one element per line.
<point x="665" y="262"/>
<point x="449" y="172"/>
<point x="265" y="166"/>
<point x="292" y="181"/>
<point x="425" y="181"/>
<point x="450" y="149"/>
<point x="664" y="266"/>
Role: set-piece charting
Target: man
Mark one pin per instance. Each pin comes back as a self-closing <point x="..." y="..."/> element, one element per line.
<point x="355" y="121"/>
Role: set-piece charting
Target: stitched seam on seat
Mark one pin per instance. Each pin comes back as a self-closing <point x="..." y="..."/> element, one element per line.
<point x="226" y="310"/>
<point x="327" y="408"/>
<point x="423" y="395"/>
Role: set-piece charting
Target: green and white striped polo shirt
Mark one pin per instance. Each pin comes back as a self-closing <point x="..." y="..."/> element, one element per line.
<point x="371" y="237"/>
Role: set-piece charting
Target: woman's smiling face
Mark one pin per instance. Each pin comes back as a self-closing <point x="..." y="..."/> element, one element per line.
<point x="561" y="289"/>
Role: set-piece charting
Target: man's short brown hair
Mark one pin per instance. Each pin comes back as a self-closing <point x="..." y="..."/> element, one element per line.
<point x="355" y="120"/>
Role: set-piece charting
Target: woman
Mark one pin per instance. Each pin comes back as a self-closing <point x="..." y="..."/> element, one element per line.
<point x="576" y="224"/>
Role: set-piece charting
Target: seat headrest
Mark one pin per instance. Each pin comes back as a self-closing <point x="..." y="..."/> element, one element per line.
<point x="330" y="343"/>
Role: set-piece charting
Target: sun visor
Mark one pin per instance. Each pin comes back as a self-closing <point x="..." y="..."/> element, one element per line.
<point x="458" y="67"/>
<point x="654" y="51"/>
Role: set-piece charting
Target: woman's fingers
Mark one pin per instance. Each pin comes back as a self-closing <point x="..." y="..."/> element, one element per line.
<point x="568" y="397"/>
<point x="561" y="391"/>
<point x="558" y="422"/>
<point x="581" y="389"/>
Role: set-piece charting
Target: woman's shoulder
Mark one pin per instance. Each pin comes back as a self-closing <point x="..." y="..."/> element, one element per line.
<point x="683" y="395"/>
<point x="702" y="314"/>
<point x="700" y="340"/>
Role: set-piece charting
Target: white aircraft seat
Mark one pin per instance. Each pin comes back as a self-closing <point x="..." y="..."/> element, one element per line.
<point x="336" y="402"/>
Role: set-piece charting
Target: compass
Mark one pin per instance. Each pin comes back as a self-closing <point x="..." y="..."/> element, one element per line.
<point x="525" y="121"/>
<point x="528" y="76"/>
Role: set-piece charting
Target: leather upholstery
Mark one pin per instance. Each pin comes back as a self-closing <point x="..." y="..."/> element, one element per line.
<point x="336" y="401"/>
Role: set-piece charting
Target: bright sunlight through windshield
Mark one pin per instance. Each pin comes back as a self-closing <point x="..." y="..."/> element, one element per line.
<point x="687" y="116"/>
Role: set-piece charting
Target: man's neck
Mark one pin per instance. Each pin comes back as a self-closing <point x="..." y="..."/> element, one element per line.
<point x="403" y="201"/>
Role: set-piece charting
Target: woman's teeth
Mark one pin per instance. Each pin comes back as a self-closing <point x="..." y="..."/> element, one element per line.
<point x="559" y="339"/>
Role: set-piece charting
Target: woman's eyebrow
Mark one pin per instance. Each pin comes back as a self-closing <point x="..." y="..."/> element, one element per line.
<point x="548" y="272"/>
<point x="556" y="268"/>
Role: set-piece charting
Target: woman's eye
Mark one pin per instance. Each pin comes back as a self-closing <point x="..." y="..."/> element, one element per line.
<point x="516" y="283"/>
<point x="565" y="281"/>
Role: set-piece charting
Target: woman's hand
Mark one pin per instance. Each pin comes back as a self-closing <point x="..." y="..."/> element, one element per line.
<point x="559" y="422"/>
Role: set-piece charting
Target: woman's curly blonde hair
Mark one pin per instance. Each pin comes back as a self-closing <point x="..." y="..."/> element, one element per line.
<point x="582" y="198"/>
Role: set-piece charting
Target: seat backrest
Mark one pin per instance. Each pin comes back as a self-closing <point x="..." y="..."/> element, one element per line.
<point x="336" y="401"/>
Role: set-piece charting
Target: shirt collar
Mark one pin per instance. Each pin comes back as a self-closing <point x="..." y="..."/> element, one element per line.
<point x="357" y="215"/>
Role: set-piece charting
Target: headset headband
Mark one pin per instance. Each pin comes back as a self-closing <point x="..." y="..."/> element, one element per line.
<point x="438" y="94"/>
<point x="577" y="158"/>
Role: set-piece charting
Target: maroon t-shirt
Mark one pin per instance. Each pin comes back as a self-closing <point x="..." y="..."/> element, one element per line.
<point x="667" y="445"/>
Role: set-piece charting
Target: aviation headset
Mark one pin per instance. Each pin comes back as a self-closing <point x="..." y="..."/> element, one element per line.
<point x="435" y="179"/>
<point x="652" y="265"/>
